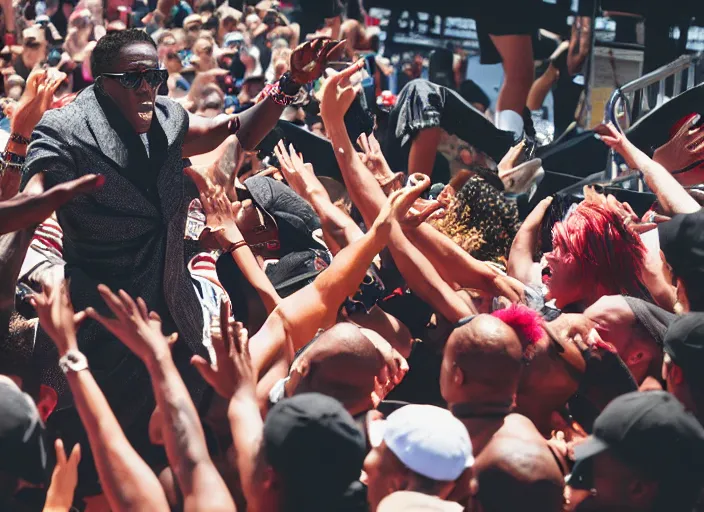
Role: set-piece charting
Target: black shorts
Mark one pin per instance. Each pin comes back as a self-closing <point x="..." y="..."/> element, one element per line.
<point x="505" y="18"/>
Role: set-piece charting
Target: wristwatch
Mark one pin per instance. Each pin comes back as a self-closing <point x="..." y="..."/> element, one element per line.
<point x="73" y="361"/>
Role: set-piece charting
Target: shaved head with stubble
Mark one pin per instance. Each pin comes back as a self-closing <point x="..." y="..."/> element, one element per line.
<point x="482" y="360"/>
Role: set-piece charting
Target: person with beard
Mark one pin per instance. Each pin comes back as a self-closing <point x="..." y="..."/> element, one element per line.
<point x="646" y="454"/>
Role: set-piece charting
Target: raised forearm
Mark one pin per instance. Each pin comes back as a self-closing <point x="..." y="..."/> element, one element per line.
<point x="520" y="260"/>
<point x="198" y="479"/>
<point x="339" y="230"/>
<point x="247" y="428"/>
<point x="451" y="261"/>
<point x="251" y="270"/>
<point x="256" y="122"/>
<point x="348" y="269"/>
<point x="671" y="195"/>
<point x="11" y="179"/>
<point x="423" y="278"/>
<point x="126" y="479"/>
<point x="368" y="196"/>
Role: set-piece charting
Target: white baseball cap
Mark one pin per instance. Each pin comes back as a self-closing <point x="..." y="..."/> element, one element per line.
<point x="426" y="439"/>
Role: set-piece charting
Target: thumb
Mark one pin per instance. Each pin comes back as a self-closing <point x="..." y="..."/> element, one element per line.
<point x="172" y="339"/>
<point x="206" y="371"/>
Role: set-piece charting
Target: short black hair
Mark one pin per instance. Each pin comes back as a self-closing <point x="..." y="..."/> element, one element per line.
<point x="109" y="46"/>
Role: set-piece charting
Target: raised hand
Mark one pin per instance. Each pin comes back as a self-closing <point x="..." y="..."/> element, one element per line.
<point x="37" y="96"/>
<point x="373" y="158"/>
<point x="421" y="211"/>
<point x="617" y="141"/>
<point x="134" y="325"/>
<point x="300" y="176"/>
<point x="398" y="203"/>
<point x="685" y="150"/>
<point x="337" y="94"/>
<point x="220" y="214"/>
<point x="308" y="60"/>
<point x="57" y="317"/>
<point x="64" y="479"/>
<point x="231" y="374"/>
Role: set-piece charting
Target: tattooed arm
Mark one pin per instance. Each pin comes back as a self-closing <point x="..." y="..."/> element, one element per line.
<point x="198" y="479"/>
<point x="128" y="483"/>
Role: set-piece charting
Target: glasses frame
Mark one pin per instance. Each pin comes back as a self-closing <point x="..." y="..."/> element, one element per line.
<point x="122" y="78"/>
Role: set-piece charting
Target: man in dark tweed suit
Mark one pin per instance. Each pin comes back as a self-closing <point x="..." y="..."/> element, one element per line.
<point x="129" y="235"/>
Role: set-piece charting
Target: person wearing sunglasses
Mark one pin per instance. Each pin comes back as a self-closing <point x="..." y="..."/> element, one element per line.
<point x="130" y="236"/>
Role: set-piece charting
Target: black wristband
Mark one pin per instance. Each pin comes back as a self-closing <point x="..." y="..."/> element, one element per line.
<point x="288" y="86"/>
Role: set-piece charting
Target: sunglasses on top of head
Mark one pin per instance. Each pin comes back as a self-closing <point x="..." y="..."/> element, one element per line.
<point x="133" y="79"/>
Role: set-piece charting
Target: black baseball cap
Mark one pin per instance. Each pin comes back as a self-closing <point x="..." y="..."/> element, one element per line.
<point x="682" y="243"/>
<point x="24" y="448"/>
<point x="684" y="343"/>
<point x="316" y="447"/>
<point x="650" y="431"/>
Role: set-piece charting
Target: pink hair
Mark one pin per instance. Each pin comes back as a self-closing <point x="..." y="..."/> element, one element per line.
<point x="527" y="323"/>
<point x="611" y="254"/>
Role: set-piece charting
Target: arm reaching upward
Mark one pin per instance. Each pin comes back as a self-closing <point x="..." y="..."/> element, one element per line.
<point x="199" y="481"/>
<point x="339" y="230"/>
<point x="127" y="481"/>
<point x="671" y="195"/>
<point x="337" y="95"/>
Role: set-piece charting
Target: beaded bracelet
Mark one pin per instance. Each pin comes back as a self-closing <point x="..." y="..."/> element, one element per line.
<point x="10" y="158"/>
<point x="19" y="139"/>
<point x="279" y="97"/>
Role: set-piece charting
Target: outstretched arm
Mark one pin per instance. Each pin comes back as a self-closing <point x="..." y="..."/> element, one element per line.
<point x="520" y="260"/>
<point x="234" y="379"/>
<point x="367" y="195"/>
<point x="126" y="479"/>
<point x="307" y="63"/>
<point x="671" y="195"/>
<point x="199" y="481"/>
<point x="339" y="230"/>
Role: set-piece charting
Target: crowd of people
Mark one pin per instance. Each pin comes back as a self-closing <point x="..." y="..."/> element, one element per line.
<point x="238" y="274"/>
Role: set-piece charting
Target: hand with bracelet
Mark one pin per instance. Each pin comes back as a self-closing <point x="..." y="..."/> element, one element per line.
<point x="36" y="99"/>
<point x="220" y="224"/>
<point x="308" y="61"/>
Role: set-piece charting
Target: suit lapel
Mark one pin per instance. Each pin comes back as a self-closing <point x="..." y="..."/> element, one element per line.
<point x="116" y="155"/>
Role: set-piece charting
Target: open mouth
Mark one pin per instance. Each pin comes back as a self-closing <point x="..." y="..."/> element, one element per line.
<point x="546" y="274"/>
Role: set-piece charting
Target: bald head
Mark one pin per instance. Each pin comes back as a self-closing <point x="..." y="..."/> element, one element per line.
<point x="516" y="474"/>
<point x="488" y="353"/>
<point x="341" y="363"/>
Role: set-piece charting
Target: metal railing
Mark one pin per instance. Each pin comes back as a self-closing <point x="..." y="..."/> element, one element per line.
<point x="630" y="101"/>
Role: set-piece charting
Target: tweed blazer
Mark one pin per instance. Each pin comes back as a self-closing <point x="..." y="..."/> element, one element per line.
<point x="117" y="235"/>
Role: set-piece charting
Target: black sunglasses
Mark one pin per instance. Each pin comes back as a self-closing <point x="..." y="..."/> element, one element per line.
<point x="133" y="79"/>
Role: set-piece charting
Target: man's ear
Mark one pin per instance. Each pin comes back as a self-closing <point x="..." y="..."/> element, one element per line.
<point x="458" y="377"/>
<point x="642" y="492"/>
<point x="676" y="374"/>
<point x="47" y="402"/>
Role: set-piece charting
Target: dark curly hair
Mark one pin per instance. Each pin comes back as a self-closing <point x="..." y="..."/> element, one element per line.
<point x="481" y="221"/>
<point x="107" y="50"/>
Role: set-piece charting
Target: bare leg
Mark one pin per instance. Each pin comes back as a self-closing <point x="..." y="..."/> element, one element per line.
<point x="424" y="147"/>
<point x="541" y="87"/>
<point x="517" y="56"/>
